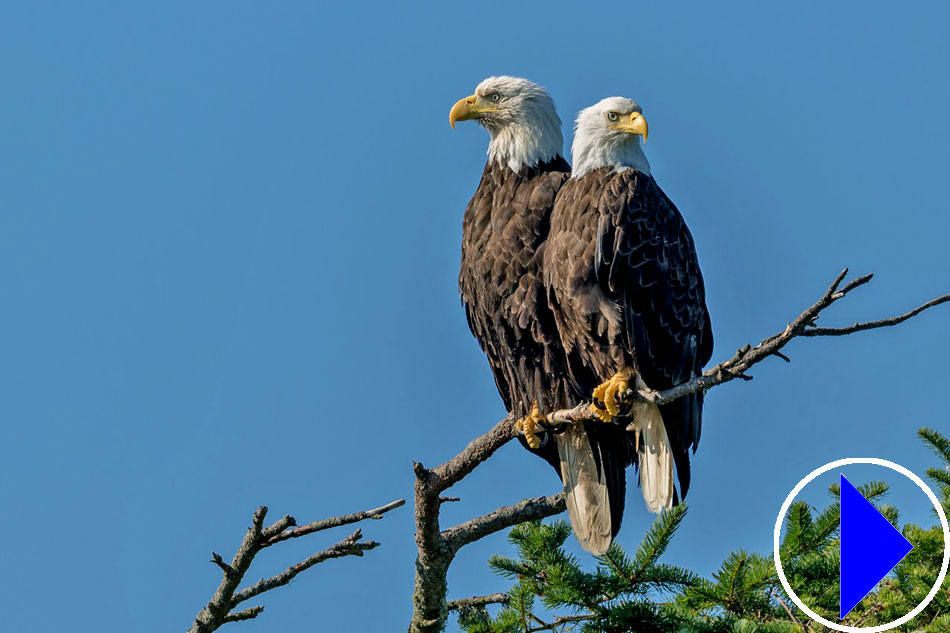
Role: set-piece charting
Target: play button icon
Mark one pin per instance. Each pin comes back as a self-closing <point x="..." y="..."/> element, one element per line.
<point x="870" y="547"/>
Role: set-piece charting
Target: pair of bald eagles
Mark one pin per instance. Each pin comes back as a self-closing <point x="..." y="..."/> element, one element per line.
<point x="580" y="284"/>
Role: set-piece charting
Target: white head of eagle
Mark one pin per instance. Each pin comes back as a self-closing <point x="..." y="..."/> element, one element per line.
<point x="519" y="115"/>
<point x="607" y="134"/>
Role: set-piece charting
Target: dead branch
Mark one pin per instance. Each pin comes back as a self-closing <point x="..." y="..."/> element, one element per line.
<point x="747" y="356"/>
<point x="502" y="518"/>
<point x="788" y="611"/>
<point x="350" y="546"/>
<point x="560" y="621"/>
<point x="436" y="548"/>
<point x="246" y="614"/>
<point x="478" y="601"/>
<point x="332" y="522"/>
<point x="220" y="609"/>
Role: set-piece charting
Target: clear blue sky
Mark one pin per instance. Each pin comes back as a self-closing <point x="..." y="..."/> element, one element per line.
<point x="229" y="243"/>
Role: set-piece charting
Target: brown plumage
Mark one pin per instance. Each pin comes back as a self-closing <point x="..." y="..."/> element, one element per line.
<point x="627" y="293"/>
<point x="501" y="281"/>
<point x="563" y="287"/>
<point x="503" y="233"/>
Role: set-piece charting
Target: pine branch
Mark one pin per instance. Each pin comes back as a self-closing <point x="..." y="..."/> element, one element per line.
<point x="665" y="577"/>
<point x="942" y="477"/>
<point x="737" y="566"/>
<point x="798" y="527"/>
<point x="873" y="490"/>
<point x="657" y="539"/>
<point x="937" y="442"/>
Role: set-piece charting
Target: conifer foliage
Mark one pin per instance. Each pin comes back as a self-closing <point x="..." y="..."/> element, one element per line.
<point x="627" y="592"/>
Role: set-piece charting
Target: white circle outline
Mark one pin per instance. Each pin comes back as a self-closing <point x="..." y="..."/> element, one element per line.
<point x="846" y="462"/>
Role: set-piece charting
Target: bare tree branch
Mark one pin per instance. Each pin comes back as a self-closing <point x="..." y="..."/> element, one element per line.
<point x="788" y="611"/>
<point x="478" y="601"/>
<point x="502" y="518"/>
<point x="216" y="611"/>
<point x="480" y="449"/>
<point x="219" y="610"/>
<point x="274" y="530"/>
<point x="561" y="621"/>
<point x="747" y="356"/>
<point x="437" y="549"/>
<point x="332" y="522"/>
<point x="217" y="560"/>
<point x="247" y="614"/>
<point x="871" y="325"/>
<point x="350" y="546"/>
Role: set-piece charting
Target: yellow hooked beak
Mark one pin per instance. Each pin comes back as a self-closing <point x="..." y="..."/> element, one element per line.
<point x="637" y="124"/>
<point x="465" y="109"/>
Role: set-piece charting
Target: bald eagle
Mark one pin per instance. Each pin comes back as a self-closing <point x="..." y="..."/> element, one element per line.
<point x="501" y="281"/>
<point x="503" y="232"/>
<point x="627" y="294"/>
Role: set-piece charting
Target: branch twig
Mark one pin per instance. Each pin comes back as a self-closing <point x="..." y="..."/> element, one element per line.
<point x="502" y="518"/>
<point x="561" y="620"/>
<point x="350" y="546"/>
<point x="478" y="601"/>
<point x="332" y="522"/>
<point x="788" y="611"/>
<point x="219" y="610"/>
<point x="246" y="614"/>
<point x="871" y="325"/>
<point x="747" y="356"/>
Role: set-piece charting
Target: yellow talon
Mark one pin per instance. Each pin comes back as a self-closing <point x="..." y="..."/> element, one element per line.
<point x="610" y="393"/>
<point x="528" y="426"/>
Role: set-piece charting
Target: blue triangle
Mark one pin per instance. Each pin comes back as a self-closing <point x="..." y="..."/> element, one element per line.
<point x="870" y="547"/>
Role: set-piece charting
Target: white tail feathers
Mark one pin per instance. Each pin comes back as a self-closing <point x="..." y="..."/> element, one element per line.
<point x="655" y="457"/>
<point x="588" y="501"/>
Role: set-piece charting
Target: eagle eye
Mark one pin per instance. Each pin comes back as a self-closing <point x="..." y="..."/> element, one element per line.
<point x="494" y="97"/>
<point x="613" y="117"/>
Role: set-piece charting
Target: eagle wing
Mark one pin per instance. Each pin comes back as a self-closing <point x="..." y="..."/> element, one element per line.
<point x="505" y="226"/>
<point x="646" y="261"/>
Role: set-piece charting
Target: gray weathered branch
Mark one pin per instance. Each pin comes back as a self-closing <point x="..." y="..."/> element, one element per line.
<point x="220" y="609"/>
<point x="246" y="614"/>
<point x="747" y="356"/>
<point x="502" y="518"/>
<point x="350" y="546"/>
<point x="437" y="548"/>
<point x="478" y="601"/>
<point x="332" y="522"/>
<point x="560" y="621"/>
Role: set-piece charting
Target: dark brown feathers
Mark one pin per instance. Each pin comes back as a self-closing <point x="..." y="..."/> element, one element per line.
<point x="506" y="224"/>
<point x="627" y="291"/>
